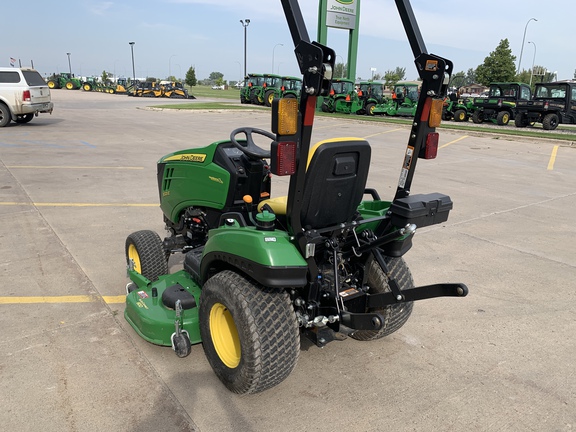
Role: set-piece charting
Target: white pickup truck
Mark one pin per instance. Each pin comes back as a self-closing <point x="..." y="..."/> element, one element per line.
<point x="23" y="94"/>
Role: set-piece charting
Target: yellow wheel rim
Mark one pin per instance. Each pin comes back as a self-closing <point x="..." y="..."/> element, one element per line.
<point x="270" y="98"/>
<point x="224" y="335"/>
<point x="51" y="85"/>
<point x="505" y="118"/>
<point x="69" y="86"/>
<point x="133" y="255"/>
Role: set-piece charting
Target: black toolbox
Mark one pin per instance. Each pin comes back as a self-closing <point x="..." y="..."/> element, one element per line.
<point x="420" y="209"/>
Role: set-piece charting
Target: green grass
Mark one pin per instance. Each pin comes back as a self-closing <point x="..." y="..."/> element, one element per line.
<point x="211" y="106"/>
<point x="207" y="92"/>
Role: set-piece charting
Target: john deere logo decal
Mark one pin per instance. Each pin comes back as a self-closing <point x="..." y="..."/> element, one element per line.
<point x="187" y="157"/>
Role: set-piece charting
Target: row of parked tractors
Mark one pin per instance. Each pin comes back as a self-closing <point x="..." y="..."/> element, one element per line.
<point x="136" y="88"/>
<point x="262" y="89"/>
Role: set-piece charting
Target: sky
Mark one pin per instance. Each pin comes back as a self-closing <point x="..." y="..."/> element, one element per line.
<point x="172" y="35"/>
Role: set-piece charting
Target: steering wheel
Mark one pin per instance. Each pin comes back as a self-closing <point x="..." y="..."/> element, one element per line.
<point x="249" y="148"/>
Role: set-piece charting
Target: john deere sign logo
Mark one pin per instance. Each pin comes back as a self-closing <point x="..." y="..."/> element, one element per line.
<point x="341" y="13"/>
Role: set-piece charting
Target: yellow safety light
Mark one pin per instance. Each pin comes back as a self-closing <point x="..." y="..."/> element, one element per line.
<point x="285" y="116"/>
<point x="435" y="117"/>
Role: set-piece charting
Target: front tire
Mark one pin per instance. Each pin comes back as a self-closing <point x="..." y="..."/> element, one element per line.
<point x="269" y="97"/>
<point x="395" y="316"/>
<point x="249" y="332"/>
<point x="146" y="250"/>
<point x="550" y="122"/>
<point x="503" y="118"/>
<point x="460" y="116"/>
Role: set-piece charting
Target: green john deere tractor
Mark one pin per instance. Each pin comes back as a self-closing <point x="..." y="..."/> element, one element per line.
<point x="371" y="94"/>
<point x="404" y="101"/>
<point x="460" y="110"/>
<point x="64" y="81"/>
<point x="342" y="97"/>
<point x="260" y="271"/>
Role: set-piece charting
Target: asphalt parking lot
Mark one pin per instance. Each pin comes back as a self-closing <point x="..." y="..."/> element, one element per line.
<point x="73" y="185"/>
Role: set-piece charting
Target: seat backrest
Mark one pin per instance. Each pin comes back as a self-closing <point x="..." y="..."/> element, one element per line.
<point x="335" y="182"/>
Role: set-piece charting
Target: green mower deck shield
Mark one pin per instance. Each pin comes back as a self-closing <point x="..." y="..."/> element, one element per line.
<point x="153" y="321"/>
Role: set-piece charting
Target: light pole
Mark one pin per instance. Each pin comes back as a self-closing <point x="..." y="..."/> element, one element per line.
<point x="69" y="64"/>
<point x="533" y="60"/>
<point x="273" y="55"/>
<point x="523" y="39"/>
<point x="169" y="65"/>
<point x="133" y="69"/>
<point x="245" y="24"/>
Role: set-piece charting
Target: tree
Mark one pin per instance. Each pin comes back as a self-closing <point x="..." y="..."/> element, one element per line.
<point x="105" y="77"/>
<point x="215" y="76"/>
<point x="498" y="66"/>
<point x="391" y="77"/>
<point x="470" y="77"/>
<point x="340" y="70"/>
<point x="191" y="77"/>
<point x="172" y="78"/>
<point x="458" y="80"/>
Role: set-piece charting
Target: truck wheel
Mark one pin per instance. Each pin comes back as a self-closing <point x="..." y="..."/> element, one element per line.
<point x="5" y="115"/>
<point x="521" y="120"/>
<point x="145" y="249"/>
<point x="460" y="116"/>
<point x="550" y="122"/>
<point x="395" y="316"/>
<point x="268" y="98"/>
<point x="249" y="332"/>
<point x="503" y="118"/>
<point x="478" y="117"/>
<point x="24" y="118"/>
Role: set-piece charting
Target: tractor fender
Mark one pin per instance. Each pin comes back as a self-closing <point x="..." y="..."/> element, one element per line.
<point x="268" y="257"/>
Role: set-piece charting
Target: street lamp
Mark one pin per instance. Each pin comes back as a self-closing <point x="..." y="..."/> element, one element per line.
<point x="523" y="39"/>
<point x="533" y="60"/>
<point x="245" y="24"/>
<point x="273" y="55"/>
<point x="69" y="64"/>
<point x="169" y="65"/>
<point x="133" y="69"/>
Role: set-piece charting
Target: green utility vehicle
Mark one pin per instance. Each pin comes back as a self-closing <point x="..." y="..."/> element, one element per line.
<point x="64" y="80"/>
<point x="501" y="102"/>
<point x="404" y="101"/>
<point x="553" y="104"/>
<point x="260" y="271"/>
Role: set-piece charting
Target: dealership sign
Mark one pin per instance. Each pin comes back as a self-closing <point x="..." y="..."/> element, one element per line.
<point x="341" y="14"/>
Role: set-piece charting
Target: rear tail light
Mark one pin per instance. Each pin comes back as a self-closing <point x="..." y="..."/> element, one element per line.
<point x="26" y="96"/>
<point x="283" y="158"/>
<point x="546" y="105"/>
<point x="431" y="149"/>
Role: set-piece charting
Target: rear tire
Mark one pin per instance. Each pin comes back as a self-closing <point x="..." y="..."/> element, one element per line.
<point x="395" y="316"/>
<point x="5" y="115"/>
<point x="146" y="250"/>
<point x="370" y="109"/>
<point x="268" y="98"/>
<point x="249" y="332"/>
<point x="550" y="122"/>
